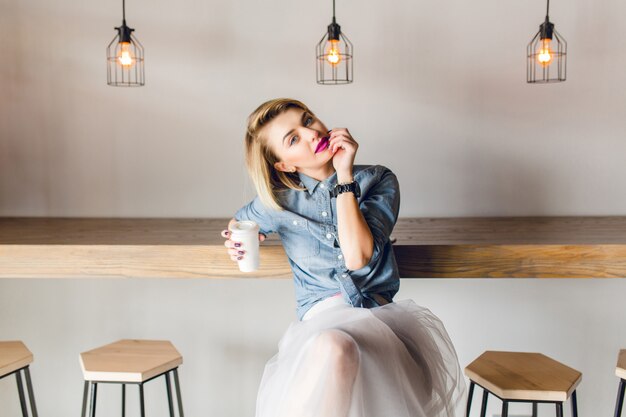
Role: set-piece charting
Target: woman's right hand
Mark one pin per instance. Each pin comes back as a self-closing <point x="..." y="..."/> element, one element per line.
<point x="236" y="249"/>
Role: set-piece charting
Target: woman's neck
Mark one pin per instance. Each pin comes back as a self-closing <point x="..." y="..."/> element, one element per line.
<point x="320" y="173"/>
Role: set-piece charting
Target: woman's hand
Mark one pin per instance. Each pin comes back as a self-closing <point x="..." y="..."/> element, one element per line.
<point x="236" y="249"/>
<point x="344" y="147"/>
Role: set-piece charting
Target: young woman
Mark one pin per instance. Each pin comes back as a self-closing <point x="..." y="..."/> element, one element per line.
<point x="354" y="352"/>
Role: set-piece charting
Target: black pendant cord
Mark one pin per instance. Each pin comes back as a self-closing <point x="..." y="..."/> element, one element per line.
<point x="333" y="10"/>
<point x="548" y="10"/>
<point x="124" y="11"/>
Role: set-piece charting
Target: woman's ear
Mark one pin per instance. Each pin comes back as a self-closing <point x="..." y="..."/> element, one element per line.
<point x="281" y="166"/>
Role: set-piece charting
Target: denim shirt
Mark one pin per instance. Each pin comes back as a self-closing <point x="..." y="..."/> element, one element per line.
<point x="308" y="229"/>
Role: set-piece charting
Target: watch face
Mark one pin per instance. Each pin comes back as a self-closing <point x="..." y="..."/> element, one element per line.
<point x="352" y="187"/>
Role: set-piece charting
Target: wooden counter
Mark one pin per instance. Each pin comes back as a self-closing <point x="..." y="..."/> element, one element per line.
<point x="524" y="247"/>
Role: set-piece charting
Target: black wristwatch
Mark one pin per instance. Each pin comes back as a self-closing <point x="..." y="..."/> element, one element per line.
<point x="351" y="187"/>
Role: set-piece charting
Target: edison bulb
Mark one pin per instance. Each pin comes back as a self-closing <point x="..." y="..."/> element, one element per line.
<point x="125" y="57"/>
<point x="545" y="53"/>
<point x="333" y="55"/>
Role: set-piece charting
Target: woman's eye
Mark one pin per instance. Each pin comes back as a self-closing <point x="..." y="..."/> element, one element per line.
<point x="293" y="140"/>
<point x="308" y="121"/>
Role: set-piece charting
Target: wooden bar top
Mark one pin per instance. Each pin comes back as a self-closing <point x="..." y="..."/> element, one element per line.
<point x="513" y="247"/>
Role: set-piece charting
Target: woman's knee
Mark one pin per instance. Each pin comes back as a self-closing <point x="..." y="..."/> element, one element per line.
<point x="340" y="349"/>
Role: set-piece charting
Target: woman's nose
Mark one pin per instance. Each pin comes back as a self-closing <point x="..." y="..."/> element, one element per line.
<point x="313" y="134"/>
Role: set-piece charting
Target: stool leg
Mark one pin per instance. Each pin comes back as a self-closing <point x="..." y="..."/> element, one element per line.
<point x="574" y="405"/>
<point x="141" y="404"/>
<point x="31" y="395"/>
<point x="470" y="394"/>
<point x="123" y="400"/>
<point x="20" y="390"/>
<point x="620" y="398"/>
<point x="534" y="409"/>
<point x="559" y="409"/>
<point x="94" y="393"/>
<point x="85" y="391"/>
<point x="505" y="408"/>
<point x="180" y="399"/>
<point x="168" y="386"/>
<point x="483" y="405"/>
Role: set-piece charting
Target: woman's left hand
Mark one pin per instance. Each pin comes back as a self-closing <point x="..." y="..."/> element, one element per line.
<point x="344" y="147"/>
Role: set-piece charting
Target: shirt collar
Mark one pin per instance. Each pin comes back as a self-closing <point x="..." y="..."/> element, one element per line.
<point x="311" y="183"/>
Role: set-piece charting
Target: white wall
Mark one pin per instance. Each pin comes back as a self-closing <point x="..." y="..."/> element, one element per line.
<point x="439" y="96"/>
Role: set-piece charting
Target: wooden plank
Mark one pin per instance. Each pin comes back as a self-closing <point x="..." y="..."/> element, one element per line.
<point x="137" y="261"/>
<point x="511" y="261"/>
<point x="525" y="247"/>
<point x="408" y="231"/>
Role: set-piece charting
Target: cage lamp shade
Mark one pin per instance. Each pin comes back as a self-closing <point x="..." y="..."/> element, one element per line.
<point x="125" y="59"/>
<point x="546" y="55"/>
<point x="334" y="57"/>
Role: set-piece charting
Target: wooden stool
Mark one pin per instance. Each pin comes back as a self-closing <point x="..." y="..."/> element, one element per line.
<point x="131" y="362"/>
<point x="522" y="377"/>
<point x="15" y="358"/>
<point x="620" y="371"/>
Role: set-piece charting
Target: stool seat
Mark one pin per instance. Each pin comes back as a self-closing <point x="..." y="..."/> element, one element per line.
<point x="620" y="369"/>
<point x="14" y="355"/>
<point x="523" y="376"/>
<point x="15" y="358"/>
<point x="129" y="361"/>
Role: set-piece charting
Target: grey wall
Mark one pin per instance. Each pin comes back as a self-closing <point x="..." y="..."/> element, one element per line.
<point x="439" y="96"/>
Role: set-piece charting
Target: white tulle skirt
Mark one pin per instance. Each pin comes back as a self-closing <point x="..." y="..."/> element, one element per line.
<point x="393" y="361"/>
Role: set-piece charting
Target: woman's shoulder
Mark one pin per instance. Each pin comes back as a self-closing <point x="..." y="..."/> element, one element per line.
<point x="362" y="172"/>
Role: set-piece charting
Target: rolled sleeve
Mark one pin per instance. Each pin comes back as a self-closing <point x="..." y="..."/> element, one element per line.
<point x="258" y="213"/>
<point x="380" y="207"/>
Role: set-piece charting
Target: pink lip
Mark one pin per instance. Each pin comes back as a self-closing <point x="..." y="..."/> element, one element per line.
<point x="322" y="145"/>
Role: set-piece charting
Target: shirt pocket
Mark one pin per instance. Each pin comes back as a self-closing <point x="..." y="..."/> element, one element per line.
<point x="299" y="243"/>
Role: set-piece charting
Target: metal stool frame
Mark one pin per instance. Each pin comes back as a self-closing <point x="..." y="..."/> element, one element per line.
<point x="619" y="403"/>
<point x="20" y="390"/>
<point x="94" y="391"/>
<point x="505" y="403"/>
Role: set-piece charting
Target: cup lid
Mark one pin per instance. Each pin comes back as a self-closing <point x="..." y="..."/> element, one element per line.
<point x="244" y="226"/>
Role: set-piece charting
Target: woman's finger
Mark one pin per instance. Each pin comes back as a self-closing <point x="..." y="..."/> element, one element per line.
<point x="225" y="233"/>
<point x="340" y="135"/>
<point x="230" y="244"/>
<point x="338" y="130"/>
<point x="341" y="143"/>
<point x="236" y="252"/>
<point x="262" y="237"/>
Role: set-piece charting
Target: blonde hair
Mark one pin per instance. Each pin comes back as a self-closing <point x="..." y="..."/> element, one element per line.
<point x="260" y="159"/>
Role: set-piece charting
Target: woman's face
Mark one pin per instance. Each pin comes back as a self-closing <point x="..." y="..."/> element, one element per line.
<point x="293" y="136"/>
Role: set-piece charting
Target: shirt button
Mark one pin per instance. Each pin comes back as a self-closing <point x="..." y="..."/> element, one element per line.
<point x="344" y="275"/>
<point x="322" y="185"/>
<point x="324" y="214"/>
<point x="339" y="256"/>
<point x="328" y="236"/>
<point x="295" y="222"/>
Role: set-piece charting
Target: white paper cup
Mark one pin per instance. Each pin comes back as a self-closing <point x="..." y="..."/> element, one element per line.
<point x="247" y="232"/>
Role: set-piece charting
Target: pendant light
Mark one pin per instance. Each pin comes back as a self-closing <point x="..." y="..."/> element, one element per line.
<point x="546" y="54"/>
<point x="334" y="56"/>
<point x="125" y="57"/>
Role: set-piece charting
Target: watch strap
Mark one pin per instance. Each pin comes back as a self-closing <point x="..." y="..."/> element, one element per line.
<point x="351" y="187"/>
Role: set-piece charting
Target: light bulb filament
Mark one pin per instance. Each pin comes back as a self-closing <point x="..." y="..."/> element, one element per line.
<point x="545" y="53"/>
<point x="333" y="54"/>
<point x="125" y="57"/>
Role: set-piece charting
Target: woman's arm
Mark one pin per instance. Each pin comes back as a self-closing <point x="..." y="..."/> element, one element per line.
<point x="355" y="236"/>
